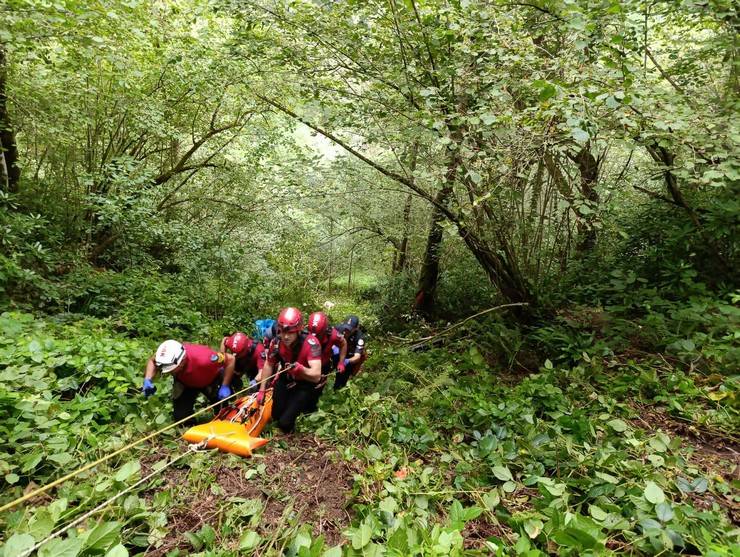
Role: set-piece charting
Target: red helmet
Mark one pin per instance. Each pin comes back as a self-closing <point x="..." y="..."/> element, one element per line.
<point x="290" y="320"/>
<point x="238" y="344"/>
<point x="318" y="324"/>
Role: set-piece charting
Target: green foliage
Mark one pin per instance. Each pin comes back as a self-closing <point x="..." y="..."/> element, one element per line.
<point x="63" y="385"/>
<point x="564" y="432"/>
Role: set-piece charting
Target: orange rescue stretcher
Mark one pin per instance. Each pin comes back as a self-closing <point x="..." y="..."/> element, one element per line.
<point x="236" y="428"/>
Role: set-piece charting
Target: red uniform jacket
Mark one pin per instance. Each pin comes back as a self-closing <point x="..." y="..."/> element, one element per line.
<point x="203" y="366"/>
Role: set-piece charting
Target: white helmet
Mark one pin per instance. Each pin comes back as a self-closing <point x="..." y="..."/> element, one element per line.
<point x="169" y="355"/>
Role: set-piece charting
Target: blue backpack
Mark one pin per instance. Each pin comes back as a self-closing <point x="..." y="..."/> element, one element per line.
<point x="262" y="327"/>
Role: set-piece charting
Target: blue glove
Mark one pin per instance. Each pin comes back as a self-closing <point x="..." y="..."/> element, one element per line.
<point x="224" y="391"/>
<point x="148" y="389"/>
<point x="253" y="382"/>
<point x="346" y="362"/>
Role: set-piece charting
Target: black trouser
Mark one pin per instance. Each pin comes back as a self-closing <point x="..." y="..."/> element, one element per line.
<point x="342" y="378"/>
<point x="318" y="389"/>
<point x="289" y="399"/>
<point x="183" y="399"/>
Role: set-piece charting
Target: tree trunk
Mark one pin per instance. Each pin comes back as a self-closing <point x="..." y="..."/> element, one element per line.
<point x="588" y="166"/>
<point x="11" y="172"/>
<point x="403" y="251"/>
<point x="425" y="296"/>
<point x="503" y="272"/>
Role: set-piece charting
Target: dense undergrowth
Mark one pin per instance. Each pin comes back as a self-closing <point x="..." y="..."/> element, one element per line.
<point x="609" y="429"/>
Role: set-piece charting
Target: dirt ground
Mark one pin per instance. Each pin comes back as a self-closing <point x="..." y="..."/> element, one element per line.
<point x="714" y="455"/>
<point x="307" y="482"/>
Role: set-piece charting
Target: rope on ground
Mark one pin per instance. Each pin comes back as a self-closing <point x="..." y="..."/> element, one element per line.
<point x="45" y="488"/>
<point x="422" y="341"/>
<point x="191" y="449"/>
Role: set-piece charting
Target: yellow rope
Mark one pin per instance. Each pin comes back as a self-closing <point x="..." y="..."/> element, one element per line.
<point x="86" y="467"/>
<point x="101" y="506"/>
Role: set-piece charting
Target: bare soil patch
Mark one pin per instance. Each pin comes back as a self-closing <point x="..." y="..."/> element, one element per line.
<point x="477" y="531"/>
<point x="306" y="483"/>
<point x="714" y="455"/>
<point x="711" y="452"/>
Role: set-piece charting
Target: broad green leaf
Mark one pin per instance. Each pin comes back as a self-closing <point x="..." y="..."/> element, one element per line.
<point x="128" y="470"/>
<point x="61" y="458"/>
<point x="117" y="551"/>
<point x="597" y="512"/>
<point x="374" y="452"/>
<point x="657" y="444"/>
<point x="41" y="524"/>
<point x="388" y="505"/>
<point x="491" y="499"/>
<point x="580" y="135"/>
<point x="575" y="538"/>
<point x="249" y="540"/>
<point x="653" y="493"/>
<point x="207" y="534"/>
<point x="502" y="473"/>
<point x="102" y="536"/>
<point x="70" y="547"/>
<point x="699" y="485"/>
<point x="533" y="527"/>
<point x="617" y="425"/>
<point x="554" y="489"/>
<point x="362" y="536"/>
<point x="194" y="540"/>
<point x="18" y="544"/>
<point x="664" y="511"/>
<point x="607" y="477"/>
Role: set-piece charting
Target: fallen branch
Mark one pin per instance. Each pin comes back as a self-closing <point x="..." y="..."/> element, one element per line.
<point x="424" y="340"/>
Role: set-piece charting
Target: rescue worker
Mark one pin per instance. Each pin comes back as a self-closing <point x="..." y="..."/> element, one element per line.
<point x="248" y="355"/>
<point x="330" y="339"/>
<point x="195" y="369"/>
<point x="356" y="353"/>
<point x="296" y="356"/>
